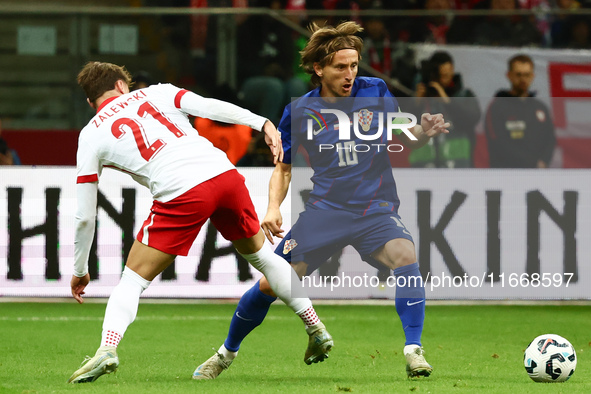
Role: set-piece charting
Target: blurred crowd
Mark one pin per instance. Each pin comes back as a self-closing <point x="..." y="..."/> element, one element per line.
<point x="268" y="74"/>
<point x="568" y="29"/>
<point x="271" y="76"/>
<point x="275" y="46"/>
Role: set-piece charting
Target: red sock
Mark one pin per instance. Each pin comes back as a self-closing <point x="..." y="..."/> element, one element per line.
<point x="309" y="317"/>
<point x="110" y="338"/>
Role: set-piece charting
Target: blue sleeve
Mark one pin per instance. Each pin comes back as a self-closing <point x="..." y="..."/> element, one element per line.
<point x="391" y="103"/>
<point x="286" y="136"/>
<point x="380" y="89"/>
<point x="384" y="91"/>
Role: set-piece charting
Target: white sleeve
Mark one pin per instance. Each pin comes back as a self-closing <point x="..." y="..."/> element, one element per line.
<point x="85" y="221"/>
<point x="88" y="166"/>
<point x="222" y="111"/>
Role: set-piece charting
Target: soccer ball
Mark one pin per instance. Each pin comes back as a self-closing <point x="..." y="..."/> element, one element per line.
<point x="550" y="358"/>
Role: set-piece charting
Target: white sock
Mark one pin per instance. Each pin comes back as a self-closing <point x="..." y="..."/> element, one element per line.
<point x="409" y="349"/>
<point x="228" y="355"/>
<point x="282" y="278"/>
<point x="122" y="306"/>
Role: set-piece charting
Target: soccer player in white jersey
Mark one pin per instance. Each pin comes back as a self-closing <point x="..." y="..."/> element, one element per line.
<point x="147" y="134"/>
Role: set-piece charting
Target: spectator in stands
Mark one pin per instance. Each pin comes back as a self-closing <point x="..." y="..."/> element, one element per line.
<point x="203" y="36"/>
<point x="441" y="91"/>
<point x="461" y="29"/>
<point x="8" y="157"/>
<point x="233" y="139"/>
<point x="393" y="58"/>
<point x="363" y="5"/>
<point x="561" y="24"/>
<point x="519" y="129"/>
<point x="432" y="29"/>
<point x="300" y="40"/>
<point x="539" y="18"/>
<point x="506" y="30"/>
<point x="579" y="33"/>
<point x="378" y="50"/>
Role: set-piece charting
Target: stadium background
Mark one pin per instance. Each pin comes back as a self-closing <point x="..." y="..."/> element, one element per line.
<point x="45" y="43"/>
<point x="465" y="221"/>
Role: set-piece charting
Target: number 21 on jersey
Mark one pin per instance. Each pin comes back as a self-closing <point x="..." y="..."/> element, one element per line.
<point x="146" y="149"/>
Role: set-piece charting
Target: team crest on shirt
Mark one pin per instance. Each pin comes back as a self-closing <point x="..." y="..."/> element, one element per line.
<point x="365" y="117"/>
<point x="289" y="245"/>
<point x="540" y="115"/>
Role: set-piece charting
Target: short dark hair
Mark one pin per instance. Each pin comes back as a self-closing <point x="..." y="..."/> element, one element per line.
<point x="521" y="58"/>
<point x="440" y="57"/>
<point x="96" y="78"/>
<point x="430" y="68"/>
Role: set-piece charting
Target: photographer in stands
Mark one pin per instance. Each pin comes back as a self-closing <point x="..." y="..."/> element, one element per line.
<point x="441" y="91"/>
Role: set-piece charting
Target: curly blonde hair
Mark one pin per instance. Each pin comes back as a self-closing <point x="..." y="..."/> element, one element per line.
<point x="325" y="42"/>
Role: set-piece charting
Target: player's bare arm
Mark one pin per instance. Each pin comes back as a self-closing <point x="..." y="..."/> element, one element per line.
<point x="278" y="186"/>
<point x="431" y="126"/>
<point x="273" y="140"/>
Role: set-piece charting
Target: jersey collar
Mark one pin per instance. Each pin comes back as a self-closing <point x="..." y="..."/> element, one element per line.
<point x="104" y="103"/>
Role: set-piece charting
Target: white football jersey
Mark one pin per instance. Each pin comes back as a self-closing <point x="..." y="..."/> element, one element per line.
<point x="147" y="134"/>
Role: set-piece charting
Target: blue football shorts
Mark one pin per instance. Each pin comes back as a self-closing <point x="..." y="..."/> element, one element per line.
<point x="319" y="233"/>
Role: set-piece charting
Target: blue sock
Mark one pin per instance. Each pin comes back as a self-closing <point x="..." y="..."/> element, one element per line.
<point x="250" y="312"/>
<point x="410" y="302"/>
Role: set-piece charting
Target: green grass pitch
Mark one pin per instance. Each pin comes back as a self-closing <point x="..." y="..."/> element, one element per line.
<point x="472" y="349"/>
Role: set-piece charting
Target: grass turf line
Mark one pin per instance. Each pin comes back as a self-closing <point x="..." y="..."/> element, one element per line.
<point x="472" y="349"/>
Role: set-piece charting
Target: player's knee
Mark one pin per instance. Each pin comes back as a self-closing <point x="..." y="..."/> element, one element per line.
<point x="300" y="268"/>
<point x="250" y="245"/>
<point x="405" y="257"/>
<point x="265" y="287"/>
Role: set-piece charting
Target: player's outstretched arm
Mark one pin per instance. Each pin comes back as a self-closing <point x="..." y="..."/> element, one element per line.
<point x="431" y="126"/>
<point x="278" y="186"/>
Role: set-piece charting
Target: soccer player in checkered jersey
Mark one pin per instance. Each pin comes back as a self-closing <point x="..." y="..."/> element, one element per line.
<point x="353" y="202"/>
<point x="147" y="134"/>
